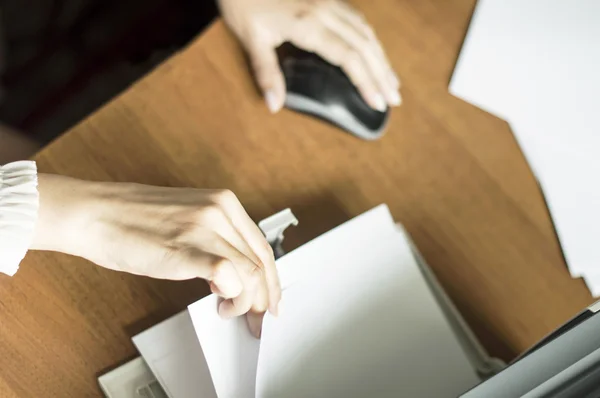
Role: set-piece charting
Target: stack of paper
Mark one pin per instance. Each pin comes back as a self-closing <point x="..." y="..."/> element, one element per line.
<point x="536" y="65"/>
<point x="357" y="319"/>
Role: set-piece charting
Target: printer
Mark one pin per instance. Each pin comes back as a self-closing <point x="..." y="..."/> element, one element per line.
<point x="564" y="364"/>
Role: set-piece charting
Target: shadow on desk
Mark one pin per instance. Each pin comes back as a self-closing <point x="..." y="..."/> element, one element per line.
<point x="316" y="215"/>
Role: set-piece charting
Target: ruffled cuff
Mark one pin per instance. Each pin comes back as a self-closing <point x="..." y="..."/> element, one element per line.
<point x="19" y="204"/>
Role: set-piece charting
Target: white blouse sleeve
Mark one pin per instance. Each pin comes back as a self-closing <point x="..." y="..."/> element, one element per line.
<point x="19" y="203"/>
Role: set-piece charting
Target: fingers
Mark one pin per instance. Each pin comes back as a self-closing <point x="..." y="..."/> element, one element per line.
<point x="187" y="262"/>
<point x="223" y="245"/>
<point x="353" y="17"/>
<point x="337" y="52"/>
<point x="221" y="223"/>
<point x="267" y="72"/>
<point x="224" y="279"/>
<point x="231" y="274"/>
<point x="222" y="220"/>
<point x="340" y="36"/>
<point x="248" y="272"/>
<point x="358" y="34"/>
<point x="259" y="245"/>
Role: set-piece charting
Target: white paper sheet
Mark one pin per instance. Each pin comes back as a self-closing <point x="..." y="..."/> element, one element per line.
<point x="534" y="54"/>
<point x="173" y="353"/>
<point x="567" y="177"/>
<point x="535" y="64"/>
<point x="364" y="229"/>
<point x="365" y="324"/>
<point x="230" y="351"/>
<point x="355" y="285"/>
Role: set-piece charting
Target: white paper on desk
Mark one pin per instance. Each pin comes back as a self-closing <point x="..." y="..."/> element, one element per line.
<point x="536" y="64"/>
<point x="364" y="324"/>
<point x="531" y="53"/>
<point x="567" y="175"/>
<point x="173" y="353"/>
<point x="530" y="61"/>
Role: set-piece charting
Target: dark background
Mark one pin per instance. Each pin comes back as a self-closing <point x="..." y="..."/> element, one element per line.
<point x="65" y="58"/>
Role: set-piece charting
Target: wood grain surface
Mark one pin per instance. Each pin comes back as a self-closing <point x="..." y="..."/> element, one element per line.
<point x="452" y="174"/>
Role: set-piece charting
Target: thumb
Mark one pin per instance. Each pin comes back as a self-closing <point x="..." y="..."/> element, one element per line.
<point x="268" y="74"/>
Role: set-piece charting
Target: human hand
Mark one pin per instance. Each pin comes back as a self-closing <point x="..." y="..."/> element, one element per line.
<point x="330" y="28"/>
<point x="166" y="233"/>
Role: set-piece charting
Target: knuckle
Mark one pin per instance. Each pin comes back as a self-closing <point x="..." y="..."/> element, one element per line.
<point x="322" y="5"/>
<point x="242" y="304"/>
<point x="249" y="271"/>
<point x="176" y="236"/>
<point x="172" y="264"/>
<point x="264" y="76"/>
<point x="360" y="16"/>
<point x="369" y="31"/>
<point x="352" y="60"/>
<point x="260" y="307"/>
<point x="364" y="50"/>
<point x="269" y="252"/>
<point x="266" y="251"/>
<point x="304" y="13"/>
<point x="219" y="265"/>
<point x="255" y="273"/>
<point x="310" y="8"/>
<point x="225" y="196"/>
<point x="352" y="65"/>
<point x="307" y="40"/>
<point x="209" y="213"/>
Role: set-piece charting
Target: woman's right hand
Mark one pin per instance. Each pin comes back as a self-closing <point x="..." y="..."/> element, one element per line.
<point x="330" y="28"/>
<point x="165" y="233"/>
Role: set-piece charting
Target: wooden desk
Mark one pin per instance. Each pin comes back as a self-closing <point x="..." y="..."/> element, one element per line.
<point x="451" y="173"/>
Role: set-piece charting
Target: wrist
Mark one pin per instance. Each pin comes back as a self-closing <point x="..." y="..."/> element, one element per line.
<point x="66" y="209"/>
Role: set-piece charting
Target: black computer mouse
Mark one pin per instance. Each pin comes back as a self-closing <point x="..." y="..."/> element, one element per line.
<point x="317" y="88"/>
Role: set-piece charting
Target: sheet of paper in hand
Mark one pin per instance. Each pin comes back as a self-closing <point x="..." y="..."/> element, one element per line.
<point x="357" y="319"/>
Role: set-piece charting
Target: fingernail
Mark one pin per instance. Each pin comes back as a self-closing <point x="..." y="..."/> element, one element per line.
<point x="274" y="310"/>
<point x="395" y="80"/>
<point x="223" y="313"/>
<point x="256" y="331"/>
<point x="379" y="102"/>
<point x="271" y="100"/>
<point x="215" y="289"/>
<point x="395" y="98"/>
